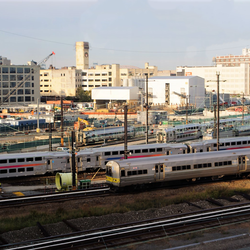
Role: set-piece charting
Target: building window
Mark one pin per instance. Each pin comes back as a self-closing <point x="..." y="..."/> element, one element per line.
<point x="12" y="70"/>
<point x="20" y="91"/>
<point x="5" y="78"/>
<point x="12" y="78"/>
<point x="20" y="98"/>
<point x="27" y="70"/>
<point x="27" y="99"/>
<point x="19" y="70"/>
<point x="27" y="92"/>
<point x="5" y="70"/>
<point x="5" y="84"/>
<point x="12" y="99"/>
<point x="19" y="77"/>
<point x="12" y="84"/>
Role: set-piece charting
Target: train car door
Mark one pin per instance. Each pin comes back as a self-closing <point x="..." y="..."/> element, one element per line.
<point x="242" y="163"/>
<point x="159" y="172"/>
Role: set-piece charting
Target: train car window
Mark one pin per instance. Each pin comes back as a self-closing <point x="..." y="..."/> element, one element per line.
<point x="184" y="167"/>
<point x="107" y="153"/>
<point x="227" y="143"/>
<point x="233" y="143"/>
<point x="156" y="168"/>
<point x="38" y="158"/>
<point x="129" y="173"/>
<point x="161" y="166"/>
<point x="188" y="166"/>
<point x="106" y="162"/>
<point x="134" y="172"/>
<point x="139" y="171"/>
<point x="29" y="159"/>
<point x="199" y="165"/>
<point x="122" y="152"/>
<point x="20" y="160"/>
<point x="173" y="168"/>
<point x="145" y="171"/>
<point x="229" y="163"/>
<point x="88" y="159"/>
<point x="225" y="163"/>
<point x="122" y="173"/>
<point x="216" y="164"/>
<point x="152" y="150"/>
<point x="3" y="171"/>
<point x="12" y="170"/>
<point x="115" y="153"/>
<point x="193" y="150"/>
<point x="12" y="160"/>
<point x="68" y="160"/>
<point x="244" y="142"/>
<point x="201" y="150"/>
<point x="159" y="149"/>
<point x="238" y="142"/>
<point x="215" y="145"/>
<point x="209" y="165"/>
<point x="222" y="144"/>
<point x="131" y="151"/>
<point x="205" y="165"/>
<point x="220" y="163"/>
<point x="145" y="150"/>
<point x="195" y="166"/>
<point x="137" y="151"/>
<point x="30" y="169"/>
<point x="3" y="161"/>
<point x="48" y="162"/>
<point x="178" y="167"/>
<point x="21" y="169"/>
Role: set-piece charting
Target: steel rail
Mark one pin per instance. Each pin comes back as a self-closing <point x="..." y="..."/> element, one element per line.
<point x="55" y="196"/>
<point x="62" y="242"/>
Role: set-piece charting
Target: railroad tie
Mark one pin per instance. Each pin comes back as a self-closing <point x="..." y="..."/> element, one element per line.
<point x="192" y="204"/>
<point x="43" y="230"/>
<point x="230" y="199"/>
<point x="246" y="196"/>
<point x="217" y="203"/>
<point x="3" y="240"/>
<point x="72" y="226"/>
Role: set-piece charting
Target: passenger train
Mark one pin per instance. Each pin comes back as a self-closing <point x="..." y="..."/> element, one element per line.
<point x="91" y="159"/>
<point x="162" y="170"/>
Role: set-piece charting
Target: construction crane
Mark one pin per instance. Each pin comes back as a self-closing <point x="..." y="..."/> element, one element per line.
<point x="27" y="77"/>
<point x="182" y="96"/>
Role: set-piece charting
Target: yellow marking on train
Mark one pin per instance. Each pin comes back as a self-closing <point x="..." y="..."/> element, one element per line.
<point x="110" y="179"/>
<point x="18" y="193"/>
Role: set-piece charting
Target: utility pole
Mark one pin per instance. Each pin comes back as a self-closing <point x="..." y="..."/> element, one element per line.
<point x="214" y="121"/>
<point x="218" y="110"/>
<point x="125" y="131"/>
<point x="73" y="162"/>
<point x="186" y="109"/>
<point x="38" y="125"/>
<point x="243" y="107"/>
<point x="62" y="142"/>
<point x="50" y="137"/>
<point x="218" y="107"/>
<point x="147" y="107"/>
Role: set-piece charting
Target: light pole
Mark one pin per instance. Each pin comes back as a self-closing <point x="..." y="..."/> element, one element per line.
<point x="147" y="107"/>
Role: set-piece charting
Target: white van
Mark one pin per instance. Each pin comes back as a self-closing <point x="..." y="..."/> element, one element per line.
<point x="64" y="149"/>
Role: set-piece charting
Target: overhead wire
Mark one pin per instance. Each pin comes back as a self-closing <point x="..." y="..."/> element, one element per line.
<point x="122" y="50"/>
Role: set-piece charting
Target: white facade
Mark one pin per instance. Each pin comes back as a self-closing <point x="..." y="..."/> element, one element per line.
<point x="233" y="80"/>
<point x="115" y="93"/>
<point x="171" y="90"/>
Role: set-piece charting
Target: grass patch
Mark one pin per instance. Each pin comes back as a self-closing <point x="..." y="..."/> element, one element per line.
<point x="19" y="222"/>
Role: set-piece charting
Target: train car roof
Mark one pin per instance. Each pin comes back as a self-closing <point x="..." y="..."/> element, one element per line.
<point x="132" y="147"/>
<point x="183" y="158"/>
<point x="33" y="154"/>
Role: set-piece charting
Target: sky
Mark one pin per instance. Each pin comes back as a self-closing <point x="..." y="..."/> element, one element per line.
<point x="164" y="33"/>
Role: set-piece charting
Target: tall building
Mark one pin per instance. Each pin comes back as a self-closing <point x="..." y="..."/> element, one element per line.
<point x="82" y="55"/>
<point x="19" y="83"/>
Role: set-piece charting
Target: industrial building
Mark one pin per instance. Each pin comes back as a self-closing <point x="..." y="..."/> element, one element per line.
<point x="234" y="73"/>
<point x="176" y="90"/>
<point x="104" y="96"/>
<point x="19" y="83"/>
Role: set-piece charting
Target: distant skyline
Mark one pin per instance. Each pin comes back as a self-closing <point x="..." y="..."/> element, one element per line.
<point x="164" y="33"/>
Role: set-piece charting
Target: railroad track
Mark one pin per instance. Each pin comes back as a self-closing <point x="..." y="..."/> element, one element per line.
<point x="55" y="197"/>
<point x="122" y="235"/>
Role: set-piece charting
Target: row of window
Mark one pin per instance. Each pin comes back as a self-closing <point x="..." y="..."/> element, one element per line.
<point x="14" y="84"/>
<point x="28" y="159"/>
<point x="14" y="170"/>
<point x="19" y="92"/>
<point x="19" y="99"/>
<point x="133" y="172"/>
<point x="185" y="167"/>
<point x="233" y="143"/>
<point x="186" y="135"/>
<point x="136" y="151"/>
<point x="13" y="70"/>
<point x="15" y="78"/>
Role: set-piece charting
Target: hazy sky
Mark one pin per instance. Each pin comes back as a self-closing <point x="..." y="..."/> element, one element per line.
<point x="165" y="33"/>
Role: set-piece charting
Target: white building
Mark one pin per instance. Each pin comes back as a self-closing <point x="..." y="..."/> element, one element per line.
<point x="125" y="94"/>
<point x="19" y="84"/>
<point x="176" y="89"/>
<point x="234" y="73"/>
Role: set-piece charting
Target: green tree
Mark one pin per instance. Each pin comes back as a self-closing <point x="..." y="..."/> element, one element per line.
<point x="83" y="96"/>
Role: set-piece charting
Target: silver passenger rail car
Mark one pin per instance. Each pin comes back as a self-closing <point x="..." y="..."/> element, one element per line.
<point x="135" y="173"/>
